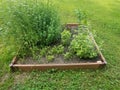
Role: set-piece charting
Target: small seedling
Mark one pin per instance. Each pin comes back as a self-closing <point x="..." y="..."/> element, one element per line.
<point x="53" y="50"/>
<point x="60" y="49"/>
<point x="56" y="50"/>
<point x="43" y="51"/>
<point x="50" y="58"/>
<point x="67" y="56"/>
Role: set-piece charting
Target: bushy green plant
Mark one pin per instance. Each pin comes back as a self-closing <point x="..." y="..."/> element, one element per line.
<point x="50" y="58"/>
<point x="82" y="46"/>
<point x="53" y="50"/>
<point x="65" y="37"/>
<point x="67" y="55"/>
<point x="44" y="51"/>
<point x="60" y="49"/>
<point x="31" y="23"/>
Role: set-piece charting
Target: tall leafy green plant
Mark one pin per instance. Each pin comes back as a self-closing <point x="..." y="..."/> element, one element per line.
<point x="32" y="23"/>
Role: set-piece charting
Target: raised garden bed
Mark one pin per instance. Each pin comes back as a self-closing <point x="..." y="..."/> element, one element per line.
<point x="76" y="63"/>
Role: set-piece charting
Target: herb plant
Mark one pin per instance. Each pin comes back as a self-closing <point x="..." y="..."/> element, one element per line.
<point x="82" y="46"/>
<point x="43" y="51"/>
<point x="68" y="55"/>
<point x="50" y="58"/>
<point x="56" y="49"/>
<point x="33" y="24"/>
<point x="60" y="49"/>
<point x="65" y="37"/>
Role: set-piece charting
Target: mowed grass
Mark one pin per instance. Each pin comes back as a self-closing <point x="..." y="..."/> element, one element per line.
<point x="105" y="19"/>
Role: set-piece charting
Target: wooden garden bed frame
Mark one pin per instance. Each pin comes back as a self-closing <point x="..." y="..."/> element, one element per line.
<point x="89" y="65"/>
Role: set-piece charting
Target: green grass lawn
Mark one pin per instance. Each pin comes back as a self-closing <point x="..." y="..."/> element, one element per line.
<point x="104" y="17"/>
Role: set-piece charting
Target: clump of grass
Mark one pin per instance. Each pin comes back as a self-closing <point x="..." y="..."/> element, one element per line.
<point x="81" y="16"/>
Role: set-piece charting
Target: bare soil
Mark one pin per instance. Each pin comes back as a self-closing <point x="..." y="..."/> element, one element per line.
<point x="59" y="59"/>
